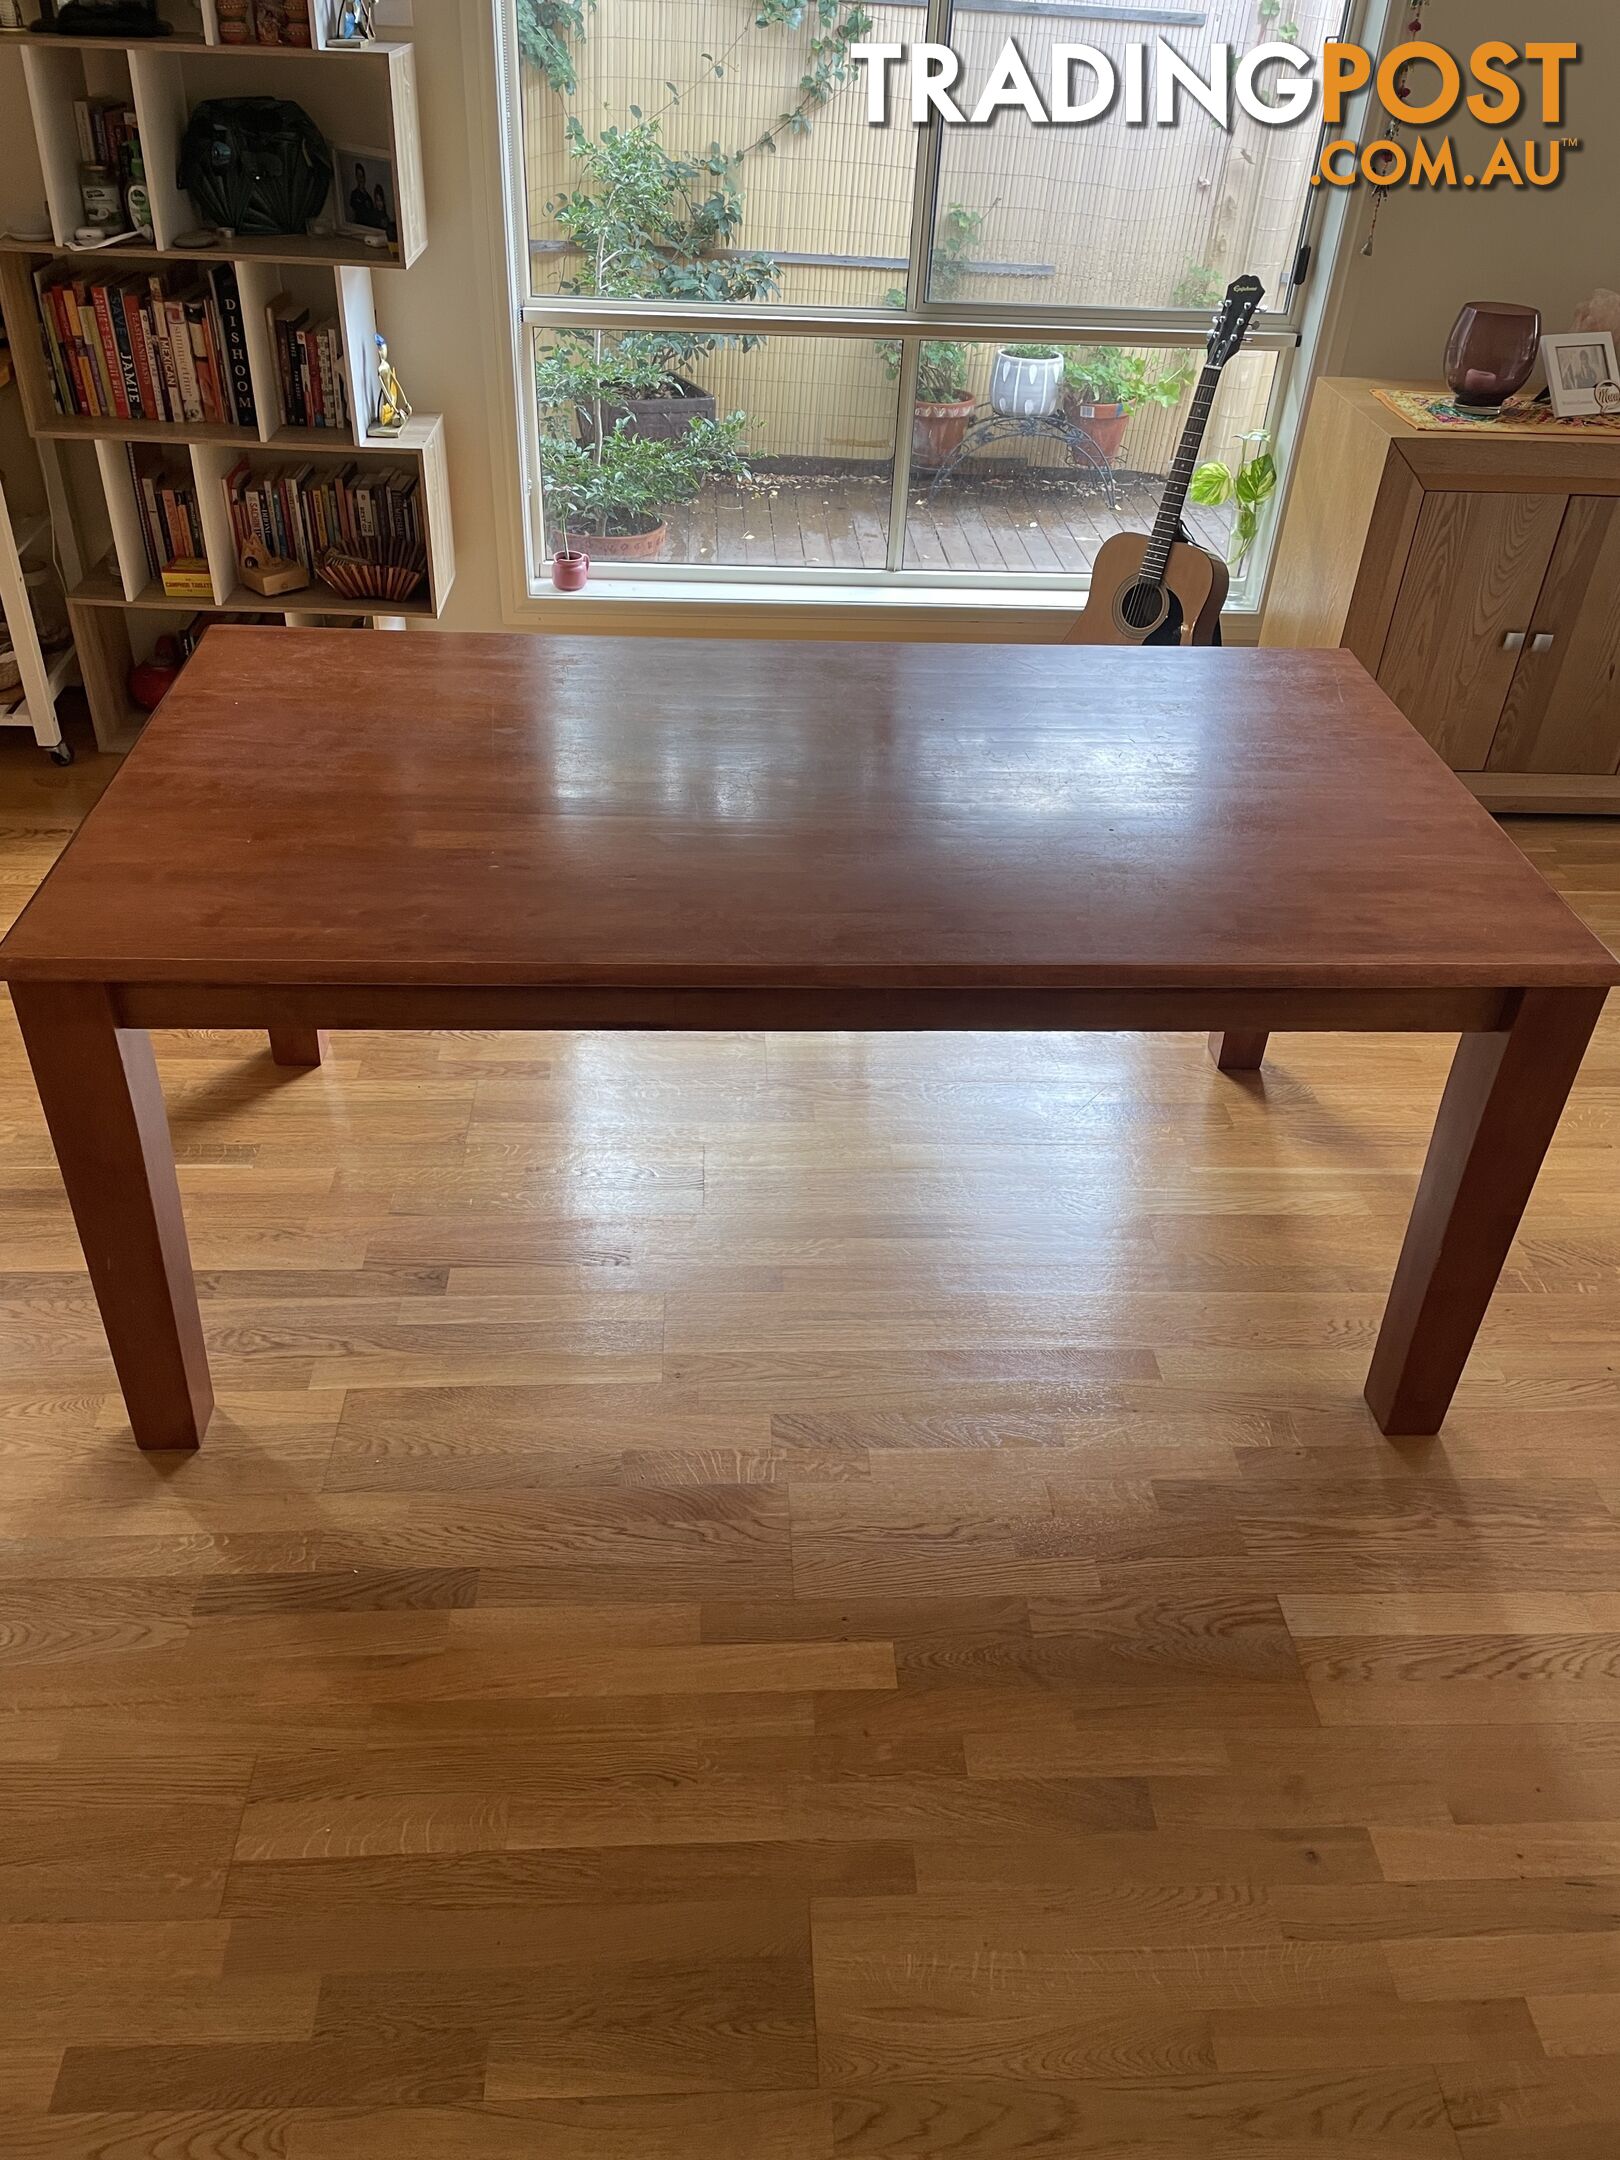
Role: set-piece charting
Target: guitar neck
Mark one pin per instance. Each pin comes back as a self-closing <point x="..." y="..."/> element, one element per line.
<point x="1168" y="523"/>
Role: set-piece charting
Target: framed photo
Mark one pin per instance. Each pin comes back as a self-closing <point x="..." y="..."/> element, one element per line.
<point x="1579" y="363"/>
<point x="367" y="206"/>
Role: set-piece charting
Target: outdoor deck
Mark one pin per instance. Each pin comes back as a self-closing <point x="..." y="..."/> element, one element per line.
<point x="1032" y="521"/>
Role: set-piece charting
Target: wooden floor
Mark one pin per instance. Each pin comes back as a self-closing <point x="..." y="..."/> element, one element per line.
<point x="779" y="1599"/>
<point x="979" y="519"/>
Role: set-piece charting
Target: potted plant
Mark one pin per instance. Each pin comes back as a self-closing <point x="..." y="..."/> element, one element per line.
<point x="570" y="565"/>
<point x="1025" y="381"/>
<point x="649" y="225"/>
<point x="614" y="491"/>
<point x="943" y="406"/>
<point x="1251" y="486"/>
<point x="1103" y="385"/>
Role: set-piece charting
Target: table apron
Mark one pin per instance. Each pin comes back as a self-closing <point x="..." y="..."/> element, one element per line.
<point x="831" y="1009"/>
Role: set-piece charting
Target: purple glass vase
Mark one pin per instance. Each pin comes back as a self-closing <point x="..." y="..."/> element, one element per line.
<point x="1492" y="351"/>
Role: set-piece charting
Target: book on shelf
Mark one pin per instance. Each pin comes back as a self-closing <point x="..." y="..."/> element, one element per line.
<point x="166" y="503"/>
<point x="146" y="346"/>
<point x="107" y="133"/>
<point x="302" y="511"/>
<point x="309" y="366"/>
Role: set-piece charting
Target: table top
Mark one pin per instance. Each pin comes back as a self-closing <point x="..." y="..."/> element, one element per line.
<point x="448" y="809"/>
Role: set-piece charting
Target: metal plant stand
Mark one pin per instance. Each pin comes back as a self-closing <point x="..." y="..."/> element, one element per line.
<point x="1050" y="427"/>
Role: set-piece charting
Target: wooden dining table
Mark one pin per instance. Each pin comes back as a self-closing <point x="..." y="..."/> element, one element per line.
<point x="322" y="829"/>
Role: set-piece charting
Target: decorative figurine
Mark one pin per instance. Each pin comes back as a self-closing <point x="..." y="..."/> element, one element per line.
<point x="355" y="22"/>
<point x="393" y="406"/>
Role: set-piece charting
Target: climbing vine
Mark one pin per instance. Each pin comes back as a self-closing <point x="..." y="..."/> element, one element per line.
<point x="551" y="31"/>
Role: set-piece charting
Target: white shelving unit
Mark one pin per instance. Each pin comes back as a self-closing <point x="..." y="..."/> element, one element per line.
<point x="362" y="97"/>
<point x="24" y="541"/>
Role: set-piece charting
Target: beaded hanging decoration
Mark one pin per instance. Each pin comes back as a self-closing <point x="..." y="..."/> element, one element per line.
<point x="1381" y="195"/>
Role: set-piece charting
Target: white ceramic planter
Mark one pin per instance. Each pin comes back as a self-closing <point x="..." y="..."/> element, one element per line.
<point x="1025" y="389"/>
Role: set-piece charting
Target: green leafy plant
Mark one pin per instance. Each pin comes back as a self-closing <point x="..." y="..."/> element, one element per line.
<point x="1030" y="352"/>
<point x="1250" y="485"/>
<point x="942" y="363"/>
<point x="645" y="222"/>
<point x="1198" y="286"/>
<point x="1108" y="375"/>
<point x="547" y="30"/>
<point x="839" y="24"/>
<point x="625" y="483"/>
<point x="650" y="225"/>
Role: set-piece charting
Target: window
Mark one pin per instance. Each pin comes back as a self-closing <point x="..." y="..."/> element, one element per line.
<point x="761" y="339"/>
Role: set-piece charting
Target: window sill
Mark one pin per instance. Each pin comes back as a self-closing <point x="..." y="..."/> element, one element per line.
<point x="744" y="607"/>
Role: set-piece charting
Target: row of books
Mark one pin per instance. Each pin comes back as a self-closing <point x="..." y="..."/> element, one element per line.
<point x="132" y="348"/>
<point x="309" y="366"/>
<point x="167" y="501"/>
<point x="107" y="132"/>
<point x="300" y="511"/>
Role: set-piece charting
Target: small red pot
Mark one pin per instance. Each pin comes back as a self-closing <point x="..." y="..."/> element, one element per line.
<point x="569" y="571"/>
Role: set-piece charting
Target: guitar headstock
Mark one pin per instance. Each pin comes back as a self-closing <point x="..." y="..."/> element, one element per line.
<point x="1232" y="320"/>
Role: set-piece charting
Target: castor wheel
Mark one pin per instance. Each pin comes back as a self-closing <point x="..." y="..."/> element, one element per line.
<point x="62" y="753"/>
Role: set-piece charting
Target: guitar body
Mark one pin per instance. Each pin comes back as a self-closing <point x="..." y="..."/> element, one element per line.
<point x="1121" y="610"/>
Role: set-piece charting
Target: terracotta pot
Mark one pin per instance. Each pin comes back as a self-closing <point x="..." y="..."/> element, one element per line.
<point x="629" y="547"/>
<point x="937" y="430"/>
<point x="1492" y="351"/>
<point x="570" y="570"/>
<point x="1102" y="425"/>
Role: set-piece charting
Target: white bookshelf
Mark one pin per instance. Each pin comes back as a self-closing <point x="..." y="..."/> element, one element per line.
<point x="363" y="98"/>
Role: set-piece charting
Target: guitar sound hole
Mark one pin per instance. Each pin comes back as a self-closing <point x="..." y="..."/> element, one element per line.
<point x="1142" y="607"/>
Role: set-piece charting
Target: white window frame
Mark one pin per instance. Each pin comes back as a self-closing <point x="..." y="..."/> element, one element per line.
<point x="1297" y="334"/>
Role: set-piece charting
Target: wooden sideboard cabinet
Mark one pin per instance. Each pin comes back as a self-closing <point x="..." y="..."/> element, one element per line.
<point x="1478" y="578"/>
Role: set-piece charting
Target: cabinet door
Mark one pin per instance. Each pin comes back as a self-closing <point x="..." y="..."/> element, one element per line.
<point x="1472" y="581"/>
<point x="1563" y="710"/>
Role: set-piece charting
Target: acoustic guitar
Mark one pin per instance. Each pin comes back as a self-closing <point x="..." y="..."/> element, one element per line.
<point x="1158" y="588"/>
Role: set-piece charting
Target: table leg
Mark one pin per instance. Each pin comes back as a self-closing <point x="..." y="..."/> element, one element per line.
<point x="1500" y="1110"/>
<point x="1239" y="1049"/>
<point x="297" y="1045"/>
<point x="99" y="1087"/>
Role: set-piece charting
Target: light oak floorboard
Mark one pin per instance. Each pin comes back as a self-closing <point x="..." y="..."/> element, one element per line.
<point x="809" y="1598"/>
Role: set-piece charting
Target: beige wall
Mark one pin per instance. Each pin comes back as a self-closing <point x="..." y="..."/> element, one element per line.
<point x="441" y="316"/>
<point x="1549" y="248"/>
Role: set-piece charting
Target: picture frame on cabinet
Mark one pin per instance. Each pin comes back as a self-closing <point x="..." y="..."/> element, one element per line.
<point x="1581" y="366"/>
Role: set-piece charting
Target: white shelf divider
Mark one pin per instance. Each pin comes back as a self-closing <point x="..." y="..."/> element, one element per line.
<point x="55" y="78"/>
<point x="123" y="514"/>
<point x="210" y="462"/>
<point x="160" y="113"/>
<point x="358" y="315"/>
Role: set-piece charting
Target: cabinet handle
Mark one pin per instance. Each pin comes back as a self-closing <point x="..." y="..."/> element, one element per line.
<point x="1513" y="641"/>
<point x="1543" y="641"/>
